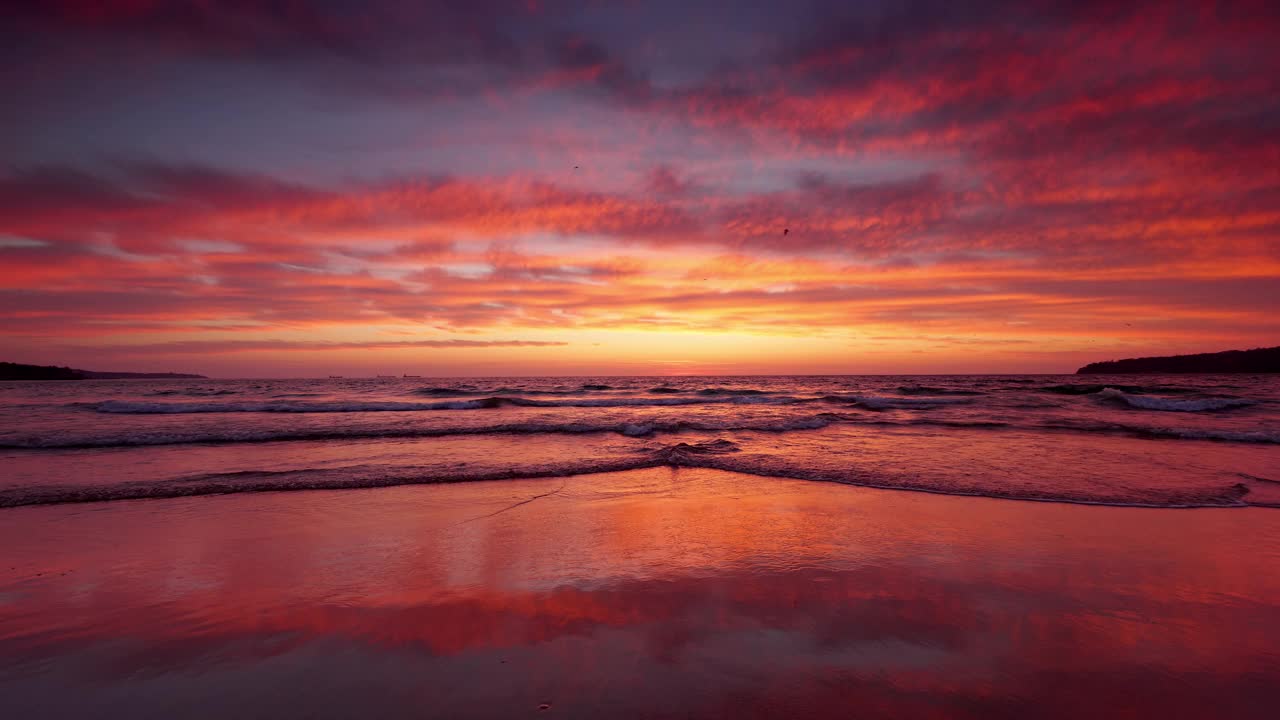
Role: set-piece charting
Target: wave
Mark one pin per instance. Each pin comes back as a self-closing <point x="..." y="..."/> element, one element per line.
<point x="708" y="391"/>
<point x="927" y="390"/>
<point x="642" y="428"/>
<point x="1241" y="436"/>
<point x="880" y="402"/>
<point x="1133" y="389"/>
<point x="348" y="478"/>
<point x="658" y="402"/>
<point x="194" y="392"/>
<point x="581" y="390"/>
<point x="682" y="453"/>
<point x="443" y="392"/>
<point x="1265" y="437"/>
<point x="463" y="389"/>
<point x="1149" y="402"/>
<point x="639" y="428"/>
<point x="1225" y="496"/>
<point x="719" y="454"/>
<point x="133" y="437"/>
<point x="469" y="391"/>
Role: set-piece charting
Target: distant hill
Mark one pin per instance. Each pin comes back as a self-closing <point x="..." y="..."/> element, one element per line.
<point x="18" y="371"/>
<point x="96" y="375"/>
<point x="1258" y="360"/>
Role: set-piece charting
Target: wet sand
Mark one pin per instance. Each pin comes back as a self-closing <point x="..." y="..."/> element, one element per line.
<point x="650" y="593"/>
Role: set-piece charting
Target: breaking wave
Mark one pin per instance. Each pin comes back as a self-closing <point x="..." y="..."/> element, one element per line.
<point x="1151" y="402"/>
<point x="1095" y="389"/>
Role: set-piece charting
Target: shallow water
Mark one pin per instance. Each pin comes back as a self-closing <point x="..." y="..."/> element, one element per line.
<point x="657" y="593"/>
<point x="1172" y="441"/>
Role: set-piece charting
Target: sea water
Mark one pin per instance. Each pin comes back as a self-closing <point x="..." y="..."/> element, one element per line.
<point x="1149" y="440"/>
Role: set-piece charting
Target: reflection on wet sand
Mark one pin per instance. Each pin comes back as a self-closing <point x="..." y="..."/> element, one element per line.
<point x="653" y="593"/>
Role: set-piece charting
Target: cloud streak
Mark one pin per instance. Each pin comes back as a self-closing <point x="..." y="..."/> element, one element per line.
<point x="197" y="347"/>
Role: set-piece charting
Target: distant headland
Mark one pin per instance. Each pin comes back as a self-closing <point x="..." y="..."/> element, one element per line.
<point x="18" y="371"/>
<point x="1258" y="360"/>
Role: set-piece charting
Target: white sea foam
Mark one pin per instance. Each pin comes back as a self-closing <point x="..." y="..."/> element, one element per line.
<point x="1151" y="402"/>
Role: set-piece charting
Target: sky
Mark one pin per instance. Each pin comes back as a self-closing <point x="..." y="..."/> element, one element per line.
<point x="288" y="188"/>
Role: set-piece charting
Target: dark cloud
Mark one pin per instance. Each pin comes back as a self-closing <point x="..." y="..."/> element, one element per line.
<point x="214" y="188"/>
<point x="665" y="182"/>
<point x="275" y="30"/>
<point x="61" y="189"/>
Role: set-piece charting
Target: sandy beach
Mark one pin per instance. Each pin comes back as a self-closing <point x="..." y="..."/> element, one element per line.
<point x="652" y="593"/>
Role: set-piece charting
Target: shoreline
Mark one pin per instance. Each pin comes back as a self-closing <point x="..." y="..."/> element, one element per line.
<point x="191" y="488"/>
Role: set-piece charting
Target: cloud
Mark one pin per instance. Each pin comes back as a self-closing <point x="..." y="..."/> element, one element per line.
<point x="263" y="30"/>
<point x="663" y="181"/>
<point x="146" y="200"/>
<point x="870" y="219"/>
<point x="200" y="347"/>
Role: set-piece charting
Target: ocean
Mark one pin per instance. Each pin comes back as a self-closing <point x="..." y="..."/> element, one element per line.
<point x="1151" y="440"/>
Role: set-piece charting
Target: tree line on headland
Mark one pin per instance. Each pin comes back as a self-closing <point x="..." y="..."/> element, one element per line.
<point x="1258" y="360"/>
<point x="18" y="371"/>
